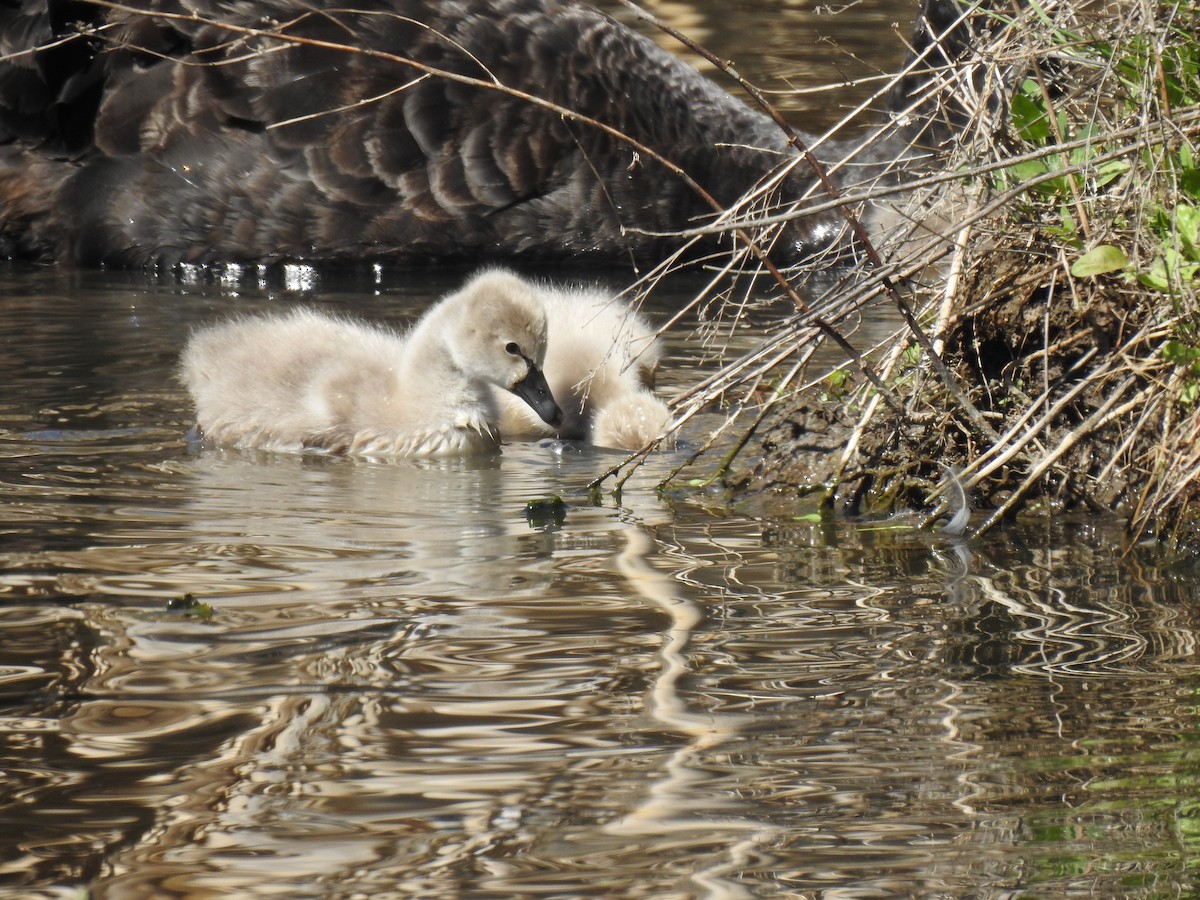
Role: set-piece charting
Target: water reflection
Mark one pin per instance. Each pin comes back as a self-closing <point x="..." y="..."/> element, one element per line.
<point x="406" y="690"/>
<point x="815" y="61"/>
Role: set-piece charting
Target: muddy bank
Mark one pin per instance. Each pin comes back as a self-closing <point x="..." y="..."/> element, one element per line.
<point x="1062" y="312"/>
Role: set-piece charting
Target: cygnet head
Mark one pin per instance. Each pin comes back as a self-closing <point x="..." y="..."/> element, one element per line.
<point x="500" y="336"/>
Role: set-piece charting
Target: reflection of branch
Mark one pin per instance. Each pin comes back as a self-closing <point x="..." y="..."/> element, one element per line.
<point x="664" y="702"/>
<point x="674" y="802"/>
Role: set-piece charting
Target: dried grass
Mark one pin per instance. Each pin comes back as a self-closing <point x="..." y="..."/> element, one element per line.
<point x="1039" y="380"/>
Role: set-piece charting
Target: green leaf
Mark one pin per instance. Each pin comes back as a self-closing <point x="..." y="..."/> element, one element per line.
<point x="1080" y="155"/>
<point x="1187" y="225"/>
<point x="1106" y="172"/>
<point x="1179" y="353"/>
<point x="1100" y="261"/>
<point x="1066" y="230"/>
<point x="1156" y="277"/>
<point x="1168" y="272"/>
<point x="1028" y="112"/>
<point x="1177" y="265"/>
<point x="1030" y="168"/>
<point x="1189" y="182"/>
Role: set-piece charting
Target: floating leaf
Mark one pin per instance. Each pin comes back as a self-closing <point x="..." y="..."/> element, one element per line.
<point x="190" y="607"/>
<point x="546" y="513"/>
<point x="1100" y="261"/>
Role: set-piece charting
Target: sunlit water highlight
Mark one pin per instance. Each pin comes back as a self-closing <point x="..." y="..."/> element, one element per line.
<point x="407" y="688"/>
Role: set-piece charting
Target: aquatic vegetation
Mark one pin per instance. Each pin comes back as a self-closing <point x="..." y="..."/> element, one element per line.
<point x="546" y="513"/>
<point x="189" y="607"/>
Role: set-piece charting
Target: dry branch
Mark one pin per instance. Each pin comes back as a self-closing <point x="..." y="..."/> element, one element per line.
<point x="1089" y="380"/>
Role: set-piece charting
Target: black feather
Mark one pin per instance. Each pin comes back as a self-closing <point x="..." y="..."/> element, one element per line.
<point x="241" y="133"/>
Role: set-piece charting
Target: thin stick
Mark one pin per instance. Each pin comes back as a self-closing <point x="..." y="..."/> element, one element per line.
<point x="852" y="220"/>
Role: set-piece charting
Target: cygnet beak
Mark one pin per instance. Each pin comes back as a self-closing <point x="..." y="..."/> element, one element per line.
<point x="534" y="391"/>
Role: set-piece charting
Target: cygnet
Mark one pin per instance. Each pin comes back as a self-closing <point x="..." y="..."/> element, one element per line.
<point x="600" y="364"/>
<point x="308" y="381"/>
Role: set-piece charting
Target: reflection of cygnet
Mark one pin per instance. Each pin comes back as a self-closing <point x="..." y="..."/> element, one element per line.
<point x="306" y="381"/>
<point x="600" y="363"/>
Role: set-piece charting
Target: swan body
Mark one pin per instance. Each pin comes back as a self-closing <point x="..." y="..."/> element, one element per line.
<point x="601" y="361"/>
<point x="227" y="131"/>
<point x="307" y="381"/>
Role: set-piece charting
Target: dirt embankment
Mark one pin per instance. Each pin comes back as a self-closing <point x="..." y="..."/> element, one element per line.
<point x="1063" y="322"/>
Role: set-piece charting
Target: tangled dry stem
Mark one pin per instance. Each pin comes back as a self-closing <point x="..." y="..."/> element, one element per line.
<point x="1040" y="388"/>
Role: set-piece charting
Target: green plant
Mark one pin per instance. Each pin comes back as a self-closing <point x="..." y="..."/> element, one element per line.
<point x="1187" y="357"/>
<point x="1176" y="263"/>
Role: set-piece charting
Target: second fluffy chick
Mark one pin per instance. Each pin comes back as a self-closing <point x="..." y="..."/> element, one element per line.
<point x="601" y="360"/>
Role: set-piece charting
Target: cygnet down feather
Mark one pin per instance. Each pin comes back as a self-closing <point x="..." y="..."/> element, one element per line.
<point x="307" y="381"/>
<point x="601" y="360"/>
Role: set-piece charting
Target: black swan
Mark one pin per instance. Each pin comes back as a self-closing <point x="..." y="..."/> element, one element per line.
<point x="158" y="131"/>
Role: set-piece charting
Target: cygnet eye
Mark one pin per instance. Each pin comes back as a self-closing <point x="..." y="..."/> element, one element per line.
<point x="513" y="348"/>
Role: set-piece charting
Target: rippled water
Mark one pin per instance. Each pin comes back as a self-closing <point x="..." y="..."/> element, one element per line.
<point x="405" y="687"/>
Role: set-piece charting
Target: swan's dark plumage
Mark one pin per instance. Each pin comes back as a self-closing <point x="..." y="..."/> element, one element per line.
<point x="135" y="139"/>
